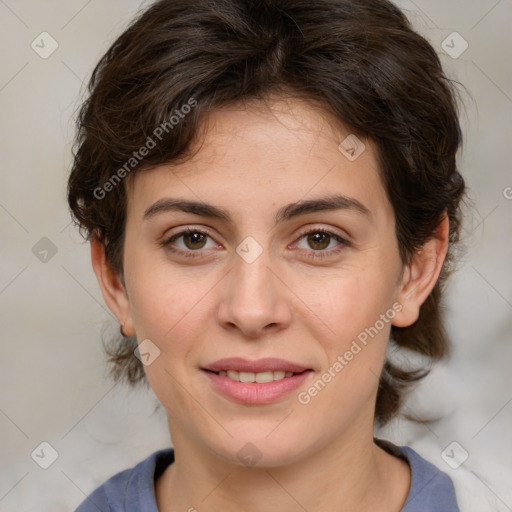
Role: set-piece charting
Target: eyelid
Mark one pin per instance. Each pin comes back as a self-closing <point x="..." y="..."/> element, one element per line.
<point x="343" y="244"/>
<point x="181" y="230"/>
<point x="322" y="229"/>
<point x="166" y="240"/>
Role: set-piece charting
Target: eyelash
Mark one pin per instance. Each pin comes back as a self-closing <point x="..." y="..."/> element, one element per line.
<point x="315" y="254"/>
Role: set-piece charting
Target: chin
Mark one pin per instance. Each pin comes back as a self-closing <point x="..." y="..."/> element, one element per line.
<point x="259" y="447"/>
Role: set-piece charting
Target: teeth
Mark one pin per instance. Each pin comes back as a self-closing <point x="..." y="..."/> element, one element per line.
<point x="260" y="377"/>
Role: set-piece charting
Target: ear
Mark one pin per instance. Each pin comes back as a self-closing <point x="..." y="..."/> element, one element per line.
<point x="421" y="275"/>
<point x="112" y="287"/>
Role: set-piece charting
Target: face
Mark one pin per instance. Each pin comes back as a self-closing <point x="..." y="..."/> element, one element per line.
<point x="262" y="278"/>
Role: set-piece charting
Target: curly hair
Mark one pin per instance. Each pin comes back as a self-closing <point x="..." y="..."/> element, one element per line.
<point x="359" y="60"/>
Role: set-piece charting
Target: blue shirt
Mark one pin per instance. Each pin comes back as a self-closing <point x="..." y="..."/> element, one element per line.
<point x="133" y="490"/>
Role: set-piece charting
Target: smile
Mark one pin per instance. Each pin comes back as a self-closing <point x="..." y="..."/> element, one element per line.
<point x="255" y="382"/>
<point x="259" y="377"/>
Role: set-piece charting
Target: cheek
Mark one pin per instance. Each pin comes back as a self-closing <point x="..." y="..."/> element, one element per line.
<point x="164" y="310"/>
<point x="354" y="349"/>
<point x="169" y="306"/>
<point x="349" y="303"/>
<point x="160" y="297"/>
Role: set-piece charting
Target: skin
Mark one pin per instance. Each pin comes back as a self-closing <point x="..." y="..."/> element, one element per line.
<point x="253" y="160"/>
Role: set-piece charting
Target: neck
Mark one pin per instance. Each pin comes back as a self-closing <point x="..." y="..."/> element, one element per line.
<point x="350" y="474"/>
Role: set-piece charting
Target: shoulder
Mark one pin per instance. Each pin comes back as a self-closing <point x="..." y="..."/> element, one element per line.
<point x="130" y="490"/>
<point x="431" y="489"/>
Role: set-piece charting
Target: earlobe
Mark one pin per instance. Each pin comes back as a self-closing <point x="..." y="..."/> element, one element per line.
<point x="421" y="275"/>
<point x="112" y="288"/>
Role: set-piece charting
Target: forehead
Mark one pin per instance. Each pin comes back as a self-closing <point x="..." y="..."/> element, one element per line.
<point x="283" y="150"/>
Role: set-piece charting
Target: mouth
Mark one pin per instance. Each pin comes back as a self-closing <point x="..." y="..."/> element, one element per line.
<point x="256" y="382"/>
<point x="256" y="377"/>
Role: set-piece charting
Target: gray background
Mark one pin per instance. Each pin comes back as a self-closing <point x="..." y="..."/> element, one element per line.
<point x="53" y="384"/>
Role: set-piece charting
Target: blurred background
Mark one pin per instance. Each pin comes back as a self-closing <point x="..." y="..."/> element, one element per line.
<point x="64" y="427"/>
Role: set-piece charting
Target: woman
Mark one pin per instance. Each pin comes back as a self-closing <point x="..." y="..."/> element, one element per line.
<point x="271" y="195"/>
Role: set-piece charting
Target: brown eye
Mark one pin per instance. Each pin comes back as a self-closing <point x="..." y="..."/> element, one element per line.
<point x="194" y="240"/>
<point x="319" y="240"/>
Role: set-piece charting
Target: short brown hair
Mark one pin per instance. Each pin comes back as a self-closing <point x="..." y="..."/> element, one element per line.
<point x="358" y="59"/>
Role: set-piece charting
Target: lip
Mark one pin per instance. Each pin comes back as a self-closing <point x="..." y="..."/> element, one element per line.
<point x="268" y="364"/>
<point x="255" y="393"/>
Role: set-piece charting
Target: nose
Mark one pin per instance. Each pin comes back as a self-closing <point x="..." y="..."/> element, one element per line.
<point x="254" y="299"/>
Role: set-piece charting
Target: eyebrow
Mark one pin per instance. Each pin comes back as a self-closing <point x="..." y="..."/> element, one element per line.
<point x="335" y="202"/>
